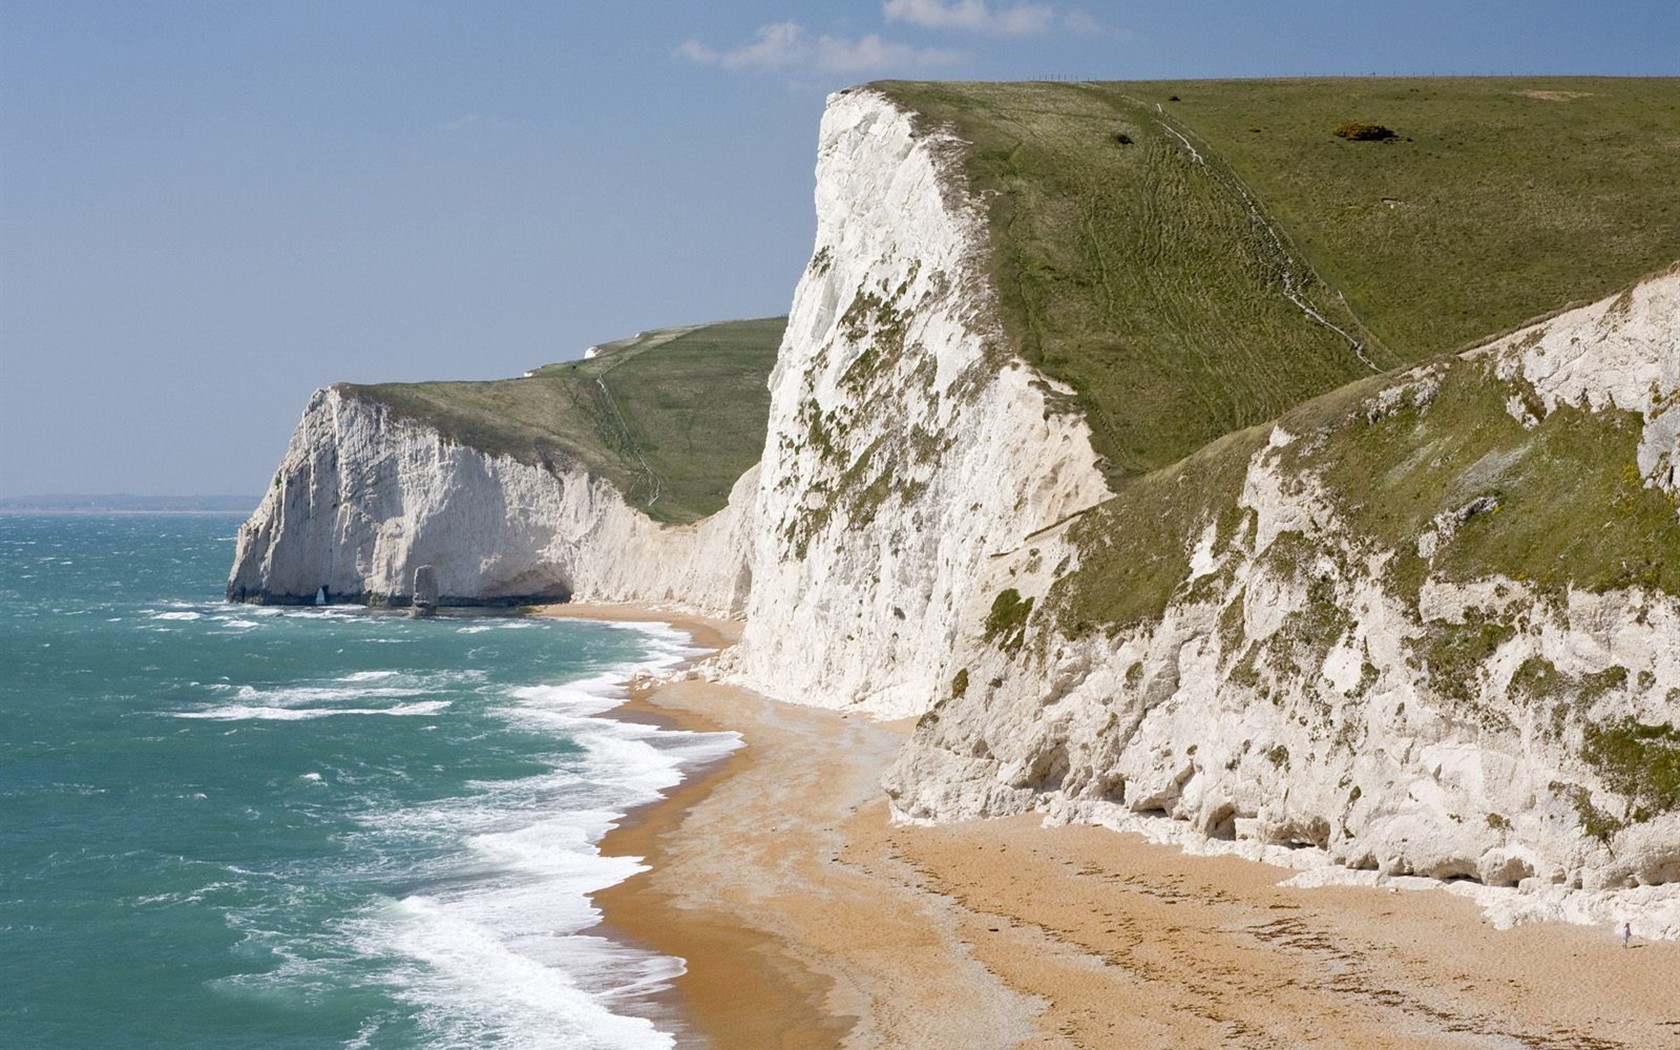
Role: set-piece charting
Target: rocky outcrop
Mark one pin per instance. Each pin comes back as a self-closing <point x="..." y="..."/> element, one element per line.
<point x="363" y="498"/>
<point x="423" y="600"/>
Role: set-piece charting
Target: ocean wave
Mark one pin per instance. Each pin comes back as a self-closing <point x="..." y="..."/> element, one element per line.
<point x="474" y="907"/>
<point x="668" y="646"/>
<point x="473" y="986"/>
<point x="509" y="623"/>
<point x="240" y="712"/>
<point x="287" y="696"/>
<point x="581" y="698"/>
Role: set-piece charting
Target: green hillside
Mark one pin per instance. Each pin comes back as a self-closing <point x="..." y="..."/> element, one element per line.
<point x="672" y="418"/>
<point x="1145" y="234"/>
<point x="1559" y="504"/>
<point x="1192" y="258"/>
<point x="1500" y="200"/>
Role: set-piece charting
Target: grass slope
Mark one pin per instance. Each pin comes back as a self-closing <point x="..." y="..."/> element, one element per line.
<point x="1502" y="198"/>
<point x="1559" y="504"/>
<point x="1134" y="273"/>
<point x="1153" y="283"/>
<point x="672" y="418"/>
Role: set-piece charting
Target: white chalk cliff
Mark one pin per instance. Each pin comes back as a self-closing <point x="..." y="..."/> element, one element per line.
<point x="906" y="446"/>
<point x="1342" y="738"/>
<point x="913" y="472"/>
<point x="365" y="497"/>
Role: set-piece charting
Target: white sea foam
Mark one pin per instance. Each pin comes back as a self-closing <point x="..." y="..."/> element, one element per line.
<point x="508" y="624"/>
<point x="667" y="645"/>
<point x="364" y="1036"/>
<point x="286" y="696"/>
<point x="499" y="957"/>
<point x="474" y="988"/>
<point x="489" y="943"/>
<point x="498" y="950"/>
<point x="237" y="712"/>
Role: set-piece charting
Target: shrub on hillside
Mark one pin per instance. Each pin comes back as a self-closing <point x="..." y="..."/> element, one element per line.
<point x="1364" y="131"/>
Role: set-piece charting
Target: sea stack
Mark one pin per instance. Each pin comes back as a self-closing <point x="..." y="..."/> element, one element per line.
<point x="425" y="592"/>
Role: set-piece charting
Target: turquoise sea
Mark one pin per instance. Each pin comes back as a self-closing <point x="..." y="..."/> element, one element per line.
<point x="236" y="826"/>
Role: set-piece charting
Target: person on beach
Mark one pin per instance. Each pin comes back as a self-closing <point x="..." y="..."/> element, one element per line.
<point x="1627" y="933"/>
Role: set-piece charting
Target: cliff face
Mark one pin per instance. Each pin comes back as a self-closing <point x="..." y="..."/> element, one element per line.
<point x="907" y="448"/>
<point x="363" y="498"/>
<point x="1444" y="706"/>
<point x="1424" y="624"/>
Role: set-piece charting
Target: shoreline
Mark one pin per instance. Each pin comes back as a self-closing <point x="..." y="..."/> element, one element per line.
<point x="737" y="990"/>
<point x="807" y="920"/>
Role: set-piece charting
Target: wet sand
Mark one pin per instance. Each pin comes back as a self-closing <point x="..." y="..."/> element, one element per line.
<point x="808" y="920"/>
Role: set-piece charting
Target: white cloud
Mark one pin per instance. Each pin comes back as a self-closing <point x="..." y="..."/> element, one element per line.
<point x="871" y="54"/>
<point x="974" y="16"/>
<point x="774" y="46"/>
<point x="786" y="45"/>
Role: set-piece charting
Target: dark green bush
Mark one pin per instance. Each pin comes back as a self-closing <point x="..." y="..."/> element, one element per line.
<point x="1637" y="760"/>
<point x="1007" y="623"/>
<point x="1364" y="131"/>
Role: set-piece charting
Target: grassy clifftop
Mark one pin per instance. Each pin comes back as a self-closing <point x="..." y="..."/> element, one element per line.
<point x="1157" y="245"/>
<point x="1191" y="258"/>
<point x="672" y="418"/>
<point x="1499" y="200"/>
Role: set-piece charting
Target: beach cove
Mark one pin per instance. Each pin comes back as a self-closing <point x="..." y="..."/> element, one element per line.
<point x="806" y="919"/>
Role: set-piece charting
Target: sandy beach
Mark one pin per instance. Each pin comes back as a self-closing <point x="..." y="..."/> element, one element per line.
<point x="807" y="920"/>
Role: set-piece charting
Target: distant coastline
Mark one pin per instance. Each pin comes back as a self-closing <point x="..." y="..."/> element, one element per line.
<point x="126" y="503"/>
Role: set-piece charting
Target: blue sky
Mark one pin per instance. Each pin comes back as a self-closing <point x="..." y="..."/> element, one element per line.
<point x="209" y="209"/>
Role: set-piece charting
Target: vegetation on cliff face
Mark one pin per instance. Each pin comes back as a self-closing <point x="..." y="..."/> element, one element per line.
<point x="1641" y="762"/>
<point x="672" y="418"/>
<point x="1136" y="546"/>
<point x="1560" y="503"/>
<point x="1144" y="233"/>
